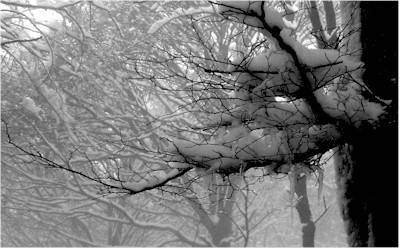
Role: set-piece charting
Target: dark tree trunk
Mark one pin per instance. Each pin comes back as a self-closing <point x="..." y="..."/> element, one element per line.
<point x="304" y="211"/>
<point x="367" y="166"/>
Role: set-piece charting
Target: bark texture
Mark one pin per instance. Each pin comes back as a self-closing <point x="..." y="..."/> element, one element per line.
<point x="367" y="173"/>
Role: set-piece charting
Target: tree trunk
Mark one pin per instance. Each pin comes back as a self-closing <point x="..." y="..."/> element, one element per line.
<point x="367" y="173"/>
<point x="304" y="211"/>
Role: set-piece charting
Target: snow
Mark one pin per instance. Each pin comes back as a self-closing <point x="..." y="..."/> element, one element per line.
<point x="243" y="10"/>
<point x="269" y="75"/>
<point x="273" y="18"/>
<point x="178" y="13"/>
<point x="274" y="61"/>
<point x="264" y="113"/>
<point x="271" y="146"/>
<point x="243" y="145"/>
<point x="154" y="6"/>
<point x="56" y="100"/>
<point x="101" y="4"/>
<point x="31" y="106"/>
<point x="291" y="24"/>
<point x="330" y="72"/>
<point x="157" y="25"/>
<point x="41" y="46"/>
<point x="347" y="103"/>
<point x="158" y="174"/>
<point x="88" y="34"/>
<point x="213" y="156"/>
<point x="150" y="181"/>
<point x="68" y="70"/>
<point x="286" y="112"/>
<point x="320" y="57"/>
<point x="280" y="99"/>
<point x="234" y="134"/>
<point x="279" y="78"/>
<point x="210" y="151"/>
<point x="220" y="118"/>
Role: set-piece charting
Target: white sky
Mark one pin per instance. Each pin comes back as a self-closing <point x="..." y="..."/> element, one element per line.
<point x="40" y="15"/>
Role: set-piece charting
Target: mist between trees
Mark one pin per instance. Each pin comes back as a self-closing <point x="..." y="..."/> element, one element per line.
<point x="204" y="124"/>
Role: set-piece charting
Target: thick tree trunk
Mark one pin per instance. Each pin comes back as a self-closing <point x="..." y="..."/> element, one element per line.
<point x="367" y="166"/>
<point x="367" y="179"/>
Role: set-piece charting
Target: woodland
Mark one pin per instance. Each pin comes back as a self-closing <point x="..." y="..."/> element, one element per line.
<point x="199" y="123"/>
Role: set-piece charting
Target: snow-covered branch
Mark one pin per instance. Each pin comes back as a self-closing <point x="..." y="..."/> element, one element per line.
<point x="151" y="182"/>
<point x="179" y="13"/>
<point x="242" y="149"/>
<point x="327" y="82"/>
<point x="334" y="78"/>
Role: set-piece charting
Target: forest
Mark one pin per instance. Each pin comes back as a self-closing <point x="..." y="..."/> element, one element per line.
<point x="199" y="123"/>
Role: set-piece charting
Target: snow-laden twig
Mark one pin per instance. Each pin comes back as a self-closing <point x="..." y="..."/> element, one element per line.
<point x="179" y="13"/>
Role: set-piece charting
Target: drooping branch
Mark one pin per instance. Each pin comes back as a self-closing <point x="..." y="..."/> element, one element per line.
<point x="151" y="182"/>
<point x="318" y="71"/>
<point x="314" y="79"/>
<point x="5" y="43"/>
<point x="249" y="149"/>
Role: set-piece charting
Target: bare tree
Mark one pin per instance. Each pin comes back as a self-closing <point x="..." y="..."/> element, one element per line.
<point x="49" y="106"/>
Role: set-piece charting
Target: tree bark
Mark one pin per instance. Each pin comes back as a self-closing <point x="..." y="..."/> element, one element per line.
<point x="367" y="173"/>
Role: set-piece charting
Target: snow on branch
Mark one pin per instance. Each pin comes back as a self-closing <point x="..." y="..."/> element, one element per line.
<point x="30" y="105"/>
<point x="151" y="182"/>
<point x="319" y="57"/>
<point x="248" y="12"/>
<point x="258" y="148"/>
<point x="337" y="80"/>
<point x="266" y="114"/>
<point x="260" y="131"/>
<point x="179" y="13"/>
<point x="273" y="71"/>
<point x="334" y="78"/>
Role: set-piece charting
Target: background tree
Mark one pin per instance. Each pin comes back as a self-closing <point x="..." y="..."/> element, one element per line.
<point x="49" y="105"/>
